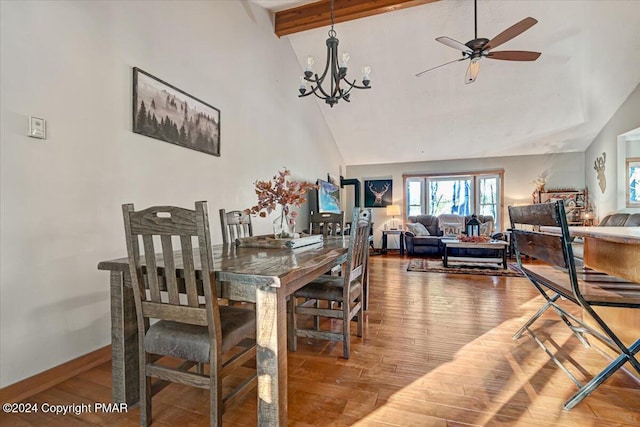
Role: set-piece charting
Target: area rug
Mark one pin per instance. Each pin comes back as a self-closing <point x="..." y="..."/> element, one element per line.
<point x="435" y="266"/>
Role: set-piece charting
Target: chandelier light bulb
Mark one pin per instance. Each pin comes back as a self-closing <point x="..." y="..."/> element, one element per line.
<point x="344" y="60"/>
<point x="308" y="72"/>
<point x="303" y="86"/>
<point x="365" y="75"/>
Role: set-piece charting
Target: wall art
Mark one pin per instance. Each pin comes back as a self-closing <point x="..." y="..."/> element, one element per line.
<point x="164" y="112"/>
<point x="378" y="193"/>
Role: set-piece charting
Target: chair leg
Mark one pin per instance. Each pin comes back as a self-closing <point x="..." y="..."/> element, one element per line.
<point x="145" y="399"/>
<point x="292" y="324"/>
<point x="360" y="319"/>
<point x="601" y="377"/>
<point x="215" y="399"/>
<point x="346" y="330"/>
<point x="535" y="317"/>
<point x="316" y="319"/>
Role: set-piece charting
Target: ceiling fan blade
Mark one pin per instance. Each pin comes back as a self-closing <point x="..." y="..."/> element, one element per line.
<point x="514" y="55"/>
<point x="454" y="44"/>
<point x="511" y="32"/>
<point x="441" y="65"/>
<point x="472" y="71"/>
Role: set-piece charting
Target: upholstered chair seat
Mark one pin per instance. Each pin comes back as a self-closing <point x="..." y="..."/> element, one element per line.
<point x="192" y="342"/>
<point x="329" y="287"/>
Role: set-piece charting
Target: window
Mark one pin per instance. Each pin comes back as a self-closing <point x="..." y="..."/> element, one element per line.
<point x="633" y="182"/>
<point x="449" y="195"/>
<point x="461" y="194"/>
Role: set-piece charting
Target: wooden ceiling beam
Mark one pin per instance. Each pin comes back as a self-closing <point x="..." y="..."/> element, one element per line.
<point x="315" y="15"/>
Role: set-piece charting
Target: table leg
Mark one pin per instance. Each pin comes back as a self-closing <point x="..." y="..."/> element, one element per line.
<point x="384" y="243"/>
<point x="446" y="257"/>
<point x="124" y="340"/>
<point x="504" y="258"/>
<point x="401" y="244"/>
<point x="271" y="336"/>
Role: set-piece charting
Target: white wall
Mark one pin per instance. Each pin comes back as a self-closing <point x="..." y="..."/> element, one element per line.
<point x="626" y="119"/>
<point x="561" y="170"/>
<point x="71" y="63"/>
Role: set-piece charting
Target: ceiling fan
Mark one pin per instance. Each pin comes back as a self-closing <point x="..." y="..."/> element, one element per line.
<point x="479" y="48"/>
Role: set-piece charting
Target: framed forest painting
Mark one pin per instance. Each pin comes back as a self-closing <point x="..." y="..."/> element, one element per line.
<point x="164" y="112"/>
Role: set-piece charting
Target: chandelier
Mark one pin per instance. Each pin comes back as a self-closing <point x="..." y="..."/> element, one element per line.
<point x="335" y="71"/>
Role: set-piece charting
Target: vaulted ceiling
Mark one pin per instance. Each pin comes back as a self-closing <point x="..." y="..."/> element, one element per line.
<point x="590" y="64"/>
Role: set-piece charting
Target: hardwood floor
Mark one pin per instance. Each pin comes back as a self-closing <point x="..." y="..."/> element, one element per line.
<point x="437" y="351"/>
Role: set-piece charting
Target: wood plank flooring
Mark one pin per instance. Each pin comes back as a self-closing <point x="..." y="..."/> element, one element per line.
<point x="437" y="351"/>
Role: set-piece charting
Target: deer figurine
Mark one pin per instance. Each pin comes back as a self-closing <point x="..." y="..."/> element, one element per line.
<point x="599" y="167"/>
<point x="378" y="194"/>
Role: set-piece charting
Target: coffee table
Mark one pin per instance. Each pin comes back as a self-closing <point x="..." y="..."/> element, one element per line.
<point x="477" y="252"/>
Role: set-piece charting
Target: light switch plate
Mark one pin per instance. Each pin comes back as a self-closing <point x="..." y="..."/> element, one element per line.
<point x="37" y="127"/>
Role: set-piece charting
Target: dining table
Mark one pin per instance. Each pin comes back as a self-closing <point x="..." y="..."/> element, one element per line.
<point x="616" y="252"/>
<point x="264" y="276"/>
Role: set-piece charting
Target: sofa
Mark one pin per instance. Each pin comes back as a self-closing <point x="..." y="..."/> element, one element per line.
<point x="621" y="219"/>
<point x="431" y="244"/>
<point x="427" y="245"/>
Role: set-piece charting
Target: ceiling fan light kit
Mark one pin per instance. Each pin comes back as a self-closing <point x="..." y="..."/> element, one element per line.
<point x="336" y="71"/>
<point x="479" y="48"/>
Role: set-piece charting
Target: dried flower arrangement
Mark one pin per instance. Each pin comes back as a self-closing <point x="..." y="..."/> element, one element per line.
<point x="474" y="239"/>
<point x="539" y="182"/>
<point x="281" y="193"/>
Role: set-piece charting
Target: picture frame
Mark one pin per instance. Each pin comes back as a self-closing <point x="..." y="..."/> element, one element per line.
<point x="378" y="193"/>
<point x="328" y="197"/>
<point x="162" y="111"/>
<point x="632" y="182"/>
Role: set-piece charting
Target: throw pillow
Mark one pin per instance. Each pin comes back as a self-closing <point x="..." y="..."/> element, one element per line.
<point x="418" y="229"/>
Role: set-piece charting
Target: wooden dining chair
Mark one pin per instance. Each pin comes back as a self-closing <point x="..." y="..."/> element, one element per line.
<point x="196" y="333"/>
<point x="235" y="225"/>
<point x="327" y="224"/>
<point x="347" y="290"/>
<point x="541" y="231"/>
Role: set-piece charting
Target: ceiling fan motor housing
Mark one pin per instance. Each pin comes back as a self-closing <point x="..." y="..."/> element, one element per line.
<point x="477" y="44"/>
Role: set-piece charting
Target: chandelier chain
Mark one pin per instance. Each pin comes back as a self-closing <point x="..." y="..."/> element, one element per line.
<point x="332" y="33"/>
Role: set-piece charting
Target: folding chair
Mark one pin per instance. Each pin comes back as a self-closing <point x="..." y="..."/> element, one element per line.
<point x="541" y="231"/>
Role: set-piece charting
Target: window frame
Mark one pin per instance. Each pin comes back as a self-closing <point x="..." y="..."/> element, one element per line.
<point x="635" y="161"/>
<point x="475" y="180"/>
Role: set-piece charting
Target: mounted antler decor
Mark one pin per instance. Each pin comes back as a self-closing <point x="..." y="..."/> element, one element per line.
<point x="599" y="167"/>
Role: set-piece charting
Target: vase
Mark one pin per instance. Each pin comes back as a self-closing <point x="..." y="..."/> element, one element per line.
<point x="284" y="226"/>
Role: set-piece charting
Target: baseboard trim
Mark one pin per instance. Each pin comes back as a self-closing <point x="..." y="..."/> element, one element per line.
<point x="51" y="377"/>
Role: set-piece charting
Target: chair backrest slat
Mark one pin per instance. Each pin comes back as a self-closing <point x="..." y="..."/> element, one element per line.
<point x="547" y="236"/>
<point x="235" y="225"/>
<point x="152" y="269"/>
<point x="543" y="214"/>
<point x="170" y="274"/>
<point x="542" y="246"/>
<point x="189" y="271"/>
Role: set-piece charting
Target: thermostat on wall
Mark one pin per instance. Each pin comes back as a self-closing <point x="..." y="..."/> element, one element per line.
<point x="37" y="127"/>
